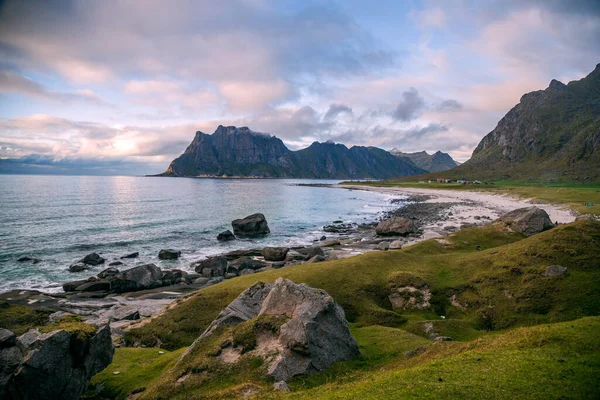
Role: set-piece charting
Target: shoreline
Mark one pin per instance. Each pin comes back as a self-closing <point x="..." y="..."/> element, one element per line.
<point x="436" y="213"/>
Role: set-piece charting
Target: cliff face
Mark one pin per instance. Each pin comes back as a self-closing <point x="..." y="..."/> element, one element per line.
<point x="235" y="151"/>
<point x="552" y="134"/>
<point x="435" y="162"/>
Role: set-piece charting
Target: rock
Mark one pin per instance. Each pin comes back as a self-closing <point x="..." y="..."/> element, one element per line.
<point x="293" y="255"/>
<point x="396" y="244"/>
<point x="310" y="252"/>
<point x="395" y="226"/>
<point x="232" y="255"/>
<point x="116" y="263"/>
<point x="281" y="386"/>
<point x="443" y="339"/>
<point x="528" y="220"/>
<point x="252" y="225"/>
<point x="78" y="267"/>
<point x="32" y="260"/>
<point x="225" y="236"/>
<point x="230" y="275"/>
<point x="126" y="314"/>
<point x="132" y="255"/>
<point x="55" y="365"/>
<point x="169" y="254"/>
<point x="108" y="272"/>
<point x="214" y="266"/>
<point x="93" y="259"/>
<point x="96" y="286"/>
<point x="246" y="272"/>
<point x="275" y="253"/>
<point x="315" y="336"/>
<point x="237" y="266"/>
<point x="554" y="271"/>
<point x="142" y="277"/>
<point x="72" y="285"/>
<point x="331" y="243"/>
<point x="277" y="265"/>
<point x="323" y="238"/>
<point x="7" y="338"/>
<point x="200" y="281"/>
<point x="316" y="259"/>
<point x="383" y="246"/>
<point x="340" y="228"/>
<point x="173" y="277"/>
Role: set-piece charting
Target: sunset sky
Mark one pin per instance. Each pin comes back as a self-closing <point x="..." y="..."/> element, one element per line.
<point x="122" y="86"/>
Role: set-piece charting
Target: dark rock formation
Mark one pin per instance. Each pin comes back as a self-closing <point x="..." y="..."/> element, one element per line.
<point x="211" y="267"/>
<point x="32" y="260"/>
<point x="132" y="255"/>
<point x="169" y="254"/>
<point x="93" y="259"/>
<point x="252" y="225"/>
<point x="396" y="226"/>
<point x="235" y="151"/>
<point x="142" y="277"/>
<point x="528" y="220"/>
<point x="78" y="267"/>
<point x="274" y="253"/>
<point x="554" y="271"/>
<point x="55" y="365"/>
<point x="225" y="236"/>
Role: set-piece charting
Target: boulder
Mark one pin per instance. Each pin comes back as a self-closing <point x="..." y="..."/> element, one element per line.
<point x="275" y="253"/>
<point x="237" y="266"/>
<point x="293" y="255"/>
<point x="210" y="267"/>
<point x="108" y="272"/>
<point x="396" y="226"/>
<point x="173" y="277"/>
<point x="72" y="285"/>
<point x="528" y="220"/>
<point x="142" y="277"/>
<point x="7" y="338"/>
<point x="116" y="263"/>
<point x="232" y="255"/>
<point x="315" y="259"/>
<point x="200" y="281"/>
<point x="340" y="228"/>
<point x="132" y="255"/>
<point x="93" y="259"/>
<point x="78" y="267"/>
<point x="95" y="286"/>
<point x="32" y="260"/>
<point x="314" y="333"/>
<point x="169" y="254"/>
<point x="225" y="236"/>
<point x="396" y="244"/>
<point x="554" y="271"/>
<point x="55" y="365"/>
<point x="310" y="252"/>
<point x="383" y="245"/>
<point x="252" y="225"/>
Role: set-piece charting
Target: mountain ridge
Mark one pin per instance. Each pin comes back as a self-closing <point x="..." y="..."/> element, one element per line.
<point x="435" y="162"/>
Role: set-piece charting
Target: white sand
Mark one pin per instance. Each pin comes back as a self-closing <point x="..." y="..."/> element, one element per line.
<point x="485" y="206"/>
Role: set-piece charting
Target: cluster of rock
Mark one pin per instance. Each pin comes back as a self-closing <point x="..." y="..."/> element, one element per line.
<point x="314" y="333"/>
<point x="528" y="220"/>
<point x="55" y="365"/>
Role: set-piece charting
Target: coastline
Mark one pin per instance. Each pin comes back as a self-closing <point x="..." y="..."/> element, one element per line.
<point x="436" y="212"/>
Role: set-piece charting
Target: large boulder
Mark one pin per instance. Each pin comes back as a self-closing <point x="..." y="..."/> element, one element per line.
<point x="275" y="253"/>
<point x="237" y="266"/>
<point x="313" y="335"/>
<point x="142" y="277"/>
<point x="169" y="254"/>
<point x="528" y="220"/>
<point x="55" y="365"/>
<point x="396" y="226"/>
<point x="252" y="225"/>
<point x="225" y="236"/>
<point x="210" y="267"/>
<point x="93" y="259"/>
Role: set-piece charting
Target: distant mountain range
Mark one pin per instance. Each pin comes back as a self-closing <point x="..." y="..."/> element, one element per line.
<point x="435" y="162"/>
<point x="233" y="151"/>
<point x="552" y="135"/>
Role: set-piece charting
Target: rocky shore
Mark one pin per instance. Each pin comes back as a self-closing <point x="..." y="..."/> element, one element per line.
<point x="122" y="295"/>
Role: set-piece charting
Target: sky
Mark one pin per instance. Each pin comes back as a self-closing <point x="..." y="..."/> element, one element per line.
<point x="121" y="87"/>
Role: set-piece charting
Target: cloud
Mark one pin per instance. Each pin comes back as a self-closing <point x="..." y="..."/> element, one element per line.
<point x="449" y="105"/>
<point x="335" y="110"/>
<point x="430" y="17"/>
<point x="410" y="106"/>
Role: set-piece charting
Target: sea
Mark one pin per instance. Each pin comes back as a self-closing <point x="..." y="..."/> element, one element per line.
<point x="60" y="219"/>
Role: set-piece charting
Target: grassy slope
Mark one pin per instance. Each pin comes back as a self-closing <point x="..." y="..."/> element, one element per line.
<point x="501" y="285"/>
<point x="573" y="196"/>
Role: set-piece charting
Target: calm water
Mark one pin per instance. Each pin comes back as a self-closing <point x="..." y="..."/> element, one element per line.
<point x="60" y="219"/>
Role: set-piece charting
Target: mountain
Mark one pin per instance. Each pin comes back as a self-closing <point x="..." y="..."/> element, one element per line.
<point x="236" y="151"/>
<point x="551" y="135"/>
<point x="429" y="162"/>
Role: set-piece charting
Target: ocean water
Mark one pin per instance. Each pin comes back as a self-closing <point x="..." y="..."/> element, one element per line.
<point x="60" y="219"/>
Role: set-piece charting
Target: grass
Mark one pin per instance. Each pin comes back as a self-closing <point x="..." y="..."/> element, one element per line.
<point x="509" y="337"/>
<point x="570" y="195"/>
<point x="19" y="319"/>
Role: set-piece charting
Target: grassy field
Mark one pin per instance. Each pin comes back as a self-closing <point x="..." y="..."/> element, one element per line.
<point x="573" y="196"/>
<point x="509" y="337"/>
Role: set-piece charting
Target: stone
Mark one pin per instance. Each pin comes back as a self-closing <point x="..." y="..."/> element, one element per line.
<point x="93" y="259"/>
<point x="142" y="277"/>
<point x="232" y="255"/>
<point x="126" y="314"/>
<point x="315" y="335"/>
<point x="78" y="267"/>
<point x="131" y="255"/>
<point x="32" y="260"/>
<point x="169" y="254"/>
<point x="340" y="228"/>
<point x="293" y="255"/>
<point x="247" y="272"/>
<point x="225" y="236"/>
<point x="214" y="266"/>
<point x="201" y="281"/>
<point x="275" y="253"/>
<point x="173" y="277"/>
<point x="310" y="252"/>
<point x="55" y="365"/>
<point x="396" y="226"/>
<point x="7" y="338"/>
<point x="331" y="243"/>
<point x="396" y="244"/>
<point x="315" y="259"/>
<point x="323" y="238"/>
<point x="281" y="386"/>
<point x="116" y="263"/>
<point x="97" y="286"/>
<point x="108" y="272"/>
<point x="383" y="245"/>
<point x="528" y="220"/>
<point x="237" y="266"/>
<point x="252" y="225"/>
<point x="230" y="275"/>
<point x="554" y="271"/>
<point x="72" y="285"/>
